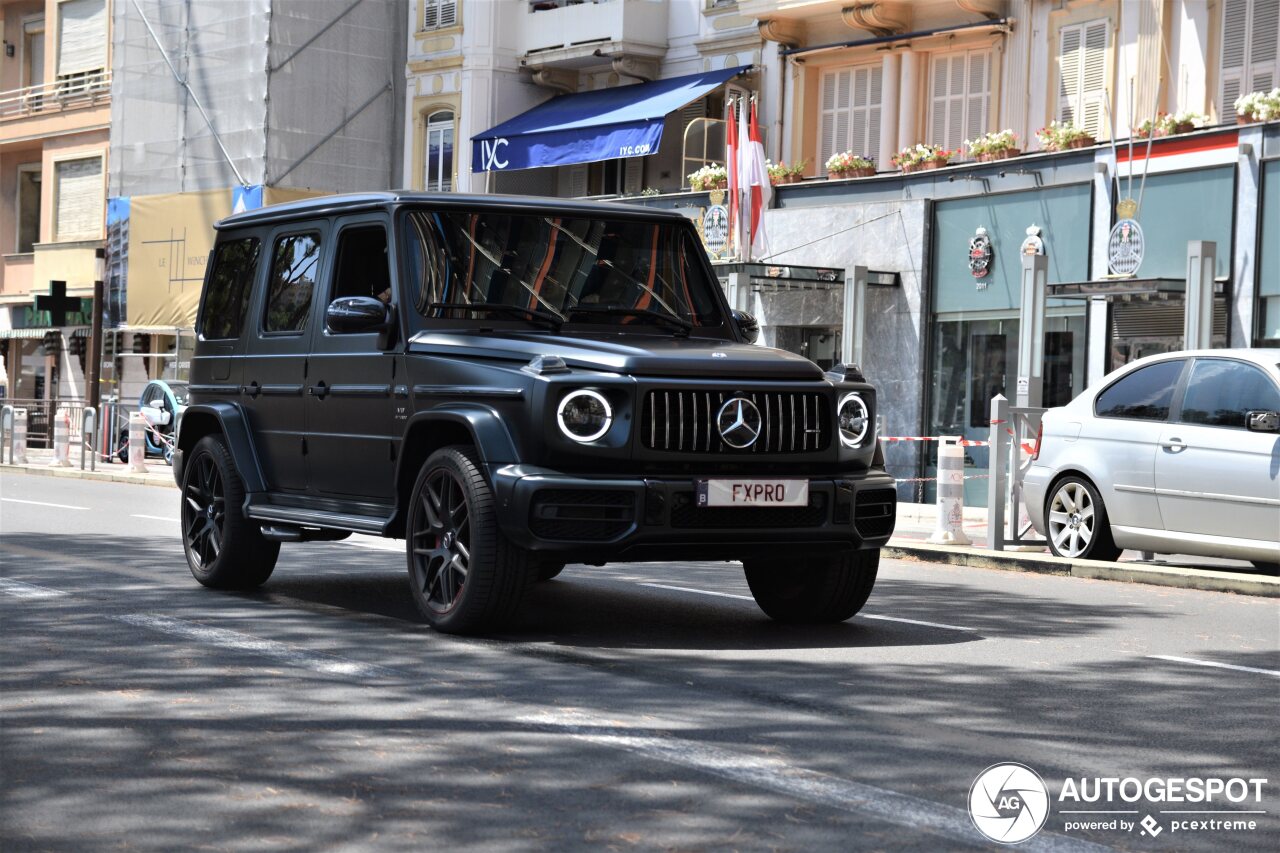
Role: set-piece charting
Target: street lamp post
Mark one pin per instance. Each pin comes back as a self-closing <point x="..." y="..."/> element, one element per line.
<point x="95" y="333"/>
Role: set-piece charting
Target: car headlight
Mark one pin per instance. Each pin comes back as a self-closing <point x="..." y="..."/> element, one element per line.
<point x="584" y="415"/>
<point x="853" y="420"/>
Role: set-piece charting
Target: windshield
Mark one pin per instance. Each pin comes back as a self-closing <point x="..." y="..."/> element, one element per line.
<point x="557" y="269"/>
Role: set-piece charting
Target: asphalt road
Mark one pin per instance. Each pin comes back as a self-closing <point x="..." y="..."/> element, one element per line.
<point x="632" y="706"/>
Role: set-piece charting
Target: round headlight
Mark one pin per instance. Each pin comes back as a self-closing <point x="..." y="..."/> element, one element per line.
<point x="584" y="415"/>
<point x="854" y="421"/>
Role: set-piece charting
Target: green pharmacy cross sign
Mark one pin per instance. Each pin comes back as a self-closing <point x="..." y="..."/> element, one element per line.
<point x="56" y="304"/>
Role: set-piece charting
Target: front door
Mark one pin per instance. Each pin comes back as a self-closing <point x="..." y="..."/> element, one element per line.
<point x="1213" y="476"/>
<point x="275" y="368"/>
<point x="351" y="446"/>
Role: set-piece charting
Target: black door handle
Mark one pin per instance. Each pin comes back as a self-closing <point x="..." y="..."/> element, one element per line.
<point x="320" y="389"/>
<point x="253" y="389"/>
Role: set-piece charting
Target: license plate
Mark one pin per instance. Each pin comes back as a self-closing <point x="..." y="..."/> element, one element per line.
<point x="753" y="492"/>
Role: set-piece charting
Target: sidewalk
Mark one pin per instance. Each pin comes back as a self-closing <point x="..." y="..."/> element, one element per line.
<point x="915" y="524"/>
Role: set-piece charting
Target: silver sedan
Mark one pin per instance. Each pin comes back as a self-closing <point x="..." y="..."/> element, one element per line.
<point x="1176" y="453"/>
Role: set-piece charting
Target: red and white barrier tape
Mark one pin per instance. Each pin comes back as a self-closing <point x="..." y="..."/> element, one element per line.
<point x="964" y="442"/>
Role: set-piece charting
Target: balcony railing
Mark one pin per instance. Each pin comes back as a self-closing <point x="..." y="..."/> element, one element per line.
<point x="67" y="93"/>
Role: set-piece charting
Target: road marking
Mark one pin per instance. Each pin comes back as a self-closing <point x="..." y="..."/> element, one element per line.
<point x="224" y="638"/>
<point x="18" y="589"/>
<point x="1216" y="665"/>
<point x="698" y="591"/>
<point x="157" y="518"/>
<point x="775" y="775"/>
<point x="864" y="615"/>
<point x="917" y="622"/>
<point x="41" y="503"/>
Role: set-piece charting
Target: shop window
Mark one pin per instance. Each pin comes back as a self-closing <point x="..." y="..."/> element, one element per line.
<point x="362" y="268"/>
<point x="1250" y="35"/>
<point x="28" y="207"/>
<point x="438" y="171"/>
<point x="1082" y="75"/>
<point x="1219" y="393"/>
<point x="78" y="199"/>
<point x="1143" y="395"/>
<point x="960" y="97"/>
<point x="235" y="264"/>
<point x="293" y="278"/>
<point x="850" y="112"/>
<point x="437" y="14"/>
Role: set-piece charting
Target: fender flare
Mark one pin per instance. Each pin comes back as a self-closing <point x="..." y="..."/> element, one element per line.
<point x="234" y="426"/>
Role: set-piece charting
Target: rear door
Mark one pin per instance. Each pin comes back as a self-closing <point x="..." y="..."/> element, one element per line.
<point x="275" y="365"/>
<point x="1213" y="476"/>
<point x="350" y="441"/>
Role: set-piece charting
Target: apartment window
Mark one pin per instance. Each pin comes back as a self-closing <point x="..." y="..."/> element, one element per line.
<point x="78" y="200"/>
<point x="1082" y="75"/>
<point x="28" y="207"/>
<point x="850" y="112"/>
<point x="1250" y="35"/>
<point x="960" y="97"/>
<point x="82" y="40"/>
<point x="438" y="160"/>
<point x="437" y="14"/>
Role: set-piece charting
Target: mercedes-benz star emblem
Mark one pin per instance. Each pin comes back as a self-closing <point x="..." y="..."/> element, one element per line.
<point x="739" y="423"/>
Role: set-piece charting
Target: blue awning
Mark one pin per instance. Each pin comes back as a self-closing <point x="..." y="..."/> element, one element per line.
<point x="624" y="121"/>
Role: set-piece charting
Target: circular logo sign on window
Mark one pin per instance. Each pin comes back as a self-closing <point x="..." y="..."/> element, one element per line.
<point x="1125" y="248"/>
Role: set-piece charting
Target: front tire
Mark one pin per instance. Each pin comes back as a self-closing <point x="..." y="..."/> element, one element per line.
<point x="1078" y="527"/>
<point x="464" y="575"/>
<point x="826" y="590"/>
<point x="225" y="550"/>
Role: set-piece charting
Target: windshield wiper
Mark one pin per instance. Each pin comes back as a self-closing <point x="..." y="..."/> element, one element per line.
<point x="551" y="321"/>
<point x="681" y="326"/>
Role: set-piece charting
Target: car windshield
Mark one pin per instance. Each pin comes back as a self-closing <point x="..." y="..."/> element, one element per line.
<point x="180" y="393"/>
<point x="551" y="269"/>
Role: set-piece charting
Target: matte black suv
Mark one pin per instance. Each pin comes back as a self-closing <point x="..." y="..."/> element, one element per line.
<point x="511" y="384"/>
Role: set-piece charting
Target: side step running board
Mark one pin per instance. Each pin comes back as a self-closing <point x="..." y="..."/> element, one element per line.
<point x="293" y="533"/>
<point x="288" y="516"/>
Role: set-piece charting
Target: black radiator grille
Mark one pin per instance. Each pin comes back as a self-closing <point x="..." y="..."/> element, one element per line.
<point x="684" y="421"/>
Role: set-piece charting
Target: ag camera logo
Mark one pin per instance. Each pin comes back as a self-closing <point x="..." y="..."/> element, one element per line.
<point x="1008" y="803"/>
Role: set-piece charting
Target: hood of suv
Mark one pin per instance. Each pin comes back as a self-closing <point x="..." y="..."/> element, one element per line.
<point x="642" y="355"/>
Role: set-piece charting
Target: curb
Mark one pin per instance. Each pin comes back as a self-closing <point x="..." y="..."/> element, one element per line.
<point x="159" y="479"/>
<point x="1199" y="579"/>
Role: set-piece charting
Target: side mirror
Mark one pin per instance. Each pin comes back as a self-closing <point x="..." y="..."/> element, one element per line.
<point x="155" y="416"/>
<point x="348" y="314"/>
<point x="1262" y="421"/>
<point x="747" y="325"/>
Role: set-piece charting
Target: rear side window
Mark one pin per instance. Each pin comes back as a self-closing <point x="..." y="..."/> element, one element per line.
<point x="1219" y="393"/>
<point x="1143" y="395"/>
<point x="295" y="262"/>
<point x="226" y="298"/>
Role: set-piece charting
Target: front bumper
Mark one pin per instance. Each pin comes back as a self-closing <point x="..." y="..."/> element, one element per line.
<point x="582" y="519"/>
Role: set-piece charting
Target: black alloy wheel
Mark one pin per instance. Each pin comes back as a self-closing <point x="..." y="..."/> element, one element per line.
<point x="441" y="540"/>
<point x="224" y="549"/>
<point x="204" y="512"/>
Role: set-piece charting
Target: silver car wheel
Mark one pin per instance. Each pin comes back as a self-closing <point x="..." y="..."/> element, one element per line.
<point x="1071" y="519"/>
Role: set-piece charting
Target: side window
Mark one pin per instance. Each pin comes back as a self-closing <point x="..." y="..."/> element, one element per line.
<point x="294" y="264"/>
<point x="362" y="268"/>
<point x="1219" y="392"/>
<point x="1142" y="395"/>
<point x="226" y="297"/>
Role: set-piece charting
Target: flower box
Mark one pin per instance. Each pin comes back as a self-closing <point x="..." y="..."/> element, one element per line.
<point x="864" y="172"/>
<point x="1082" y="142"/>
<point x="1002" y="154"/>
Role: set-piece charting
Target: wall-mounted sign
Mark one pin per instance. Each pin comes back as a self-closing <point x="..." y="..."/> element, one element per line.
<point x="1125" y="248"/>
<point x="980" y="256"/>
<point x="1033" y="245"/>
<point x="715" y="231"/>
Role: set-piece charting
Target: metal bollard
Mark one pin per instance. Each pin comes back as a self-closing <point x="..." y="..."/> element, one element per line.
<point x="61" y="439"/>
<point x="949" y="529"/>
<point x="18" y="441"/>
<point x="88" y="437"/>
<point x="137" y="443"/>
<point x="6" y="432"/>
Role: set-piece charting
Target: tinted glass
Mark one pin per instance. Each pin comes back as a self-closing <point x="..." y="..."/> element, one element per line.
<point x="294" y="264"/>
<point x="555" y="264"/>
<point x="362" y="268"/>
<point x="1144" y="394"/>
<point x="1219" y="393"/>
<point x="226" y="297"/>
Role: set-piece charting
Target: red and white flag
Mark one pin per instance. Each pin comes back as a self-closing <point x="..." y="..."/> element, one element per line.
<point x="731" y="166"/>
<point x="743" y="166"/>
<point x="761" y="189"/>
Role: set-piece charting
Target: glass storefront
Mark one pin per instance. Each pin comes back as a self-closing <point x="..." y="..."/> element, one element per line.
<point x="1268" y="308"/>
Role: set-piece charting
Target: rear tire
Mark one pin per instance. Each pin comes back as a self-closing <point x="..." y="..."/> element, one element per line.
<point x="465" y="577"/>
<point x="225" y="550"/>
<point x="827" y="589"/>
<point x="1077" y="522"/>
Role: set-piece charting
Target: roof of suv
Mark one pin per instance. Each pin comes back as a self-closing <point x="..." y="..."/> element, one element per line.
<point x="331" y="204"/>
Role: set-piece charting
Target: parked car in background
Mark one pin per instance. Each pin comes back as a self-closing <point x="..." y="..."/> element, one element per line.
<point x="162" y="403"/>
<point x="1175" y="453"/>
